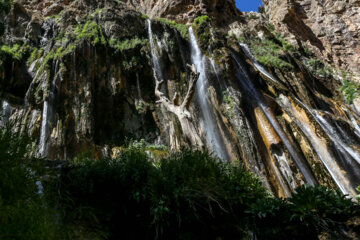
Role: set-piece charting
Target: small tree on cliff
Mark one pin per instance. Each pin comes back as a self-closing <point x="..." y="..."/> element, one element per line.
<point x="181" y="110"/>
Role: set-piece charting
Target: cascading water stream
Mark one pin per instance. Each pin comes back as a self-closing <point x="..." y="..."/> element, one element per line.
<point x="320" y="147"/>
<point x="5" y="113"/>
<point x="47" y="117"/>
<point x="344" y="150"/>
<point x="336" y="136"/>
<point x="154" y="55"/>
<point x="213" y="64"/>
<point x="256" y="63"/>
<point x="138" y="86"/>
<point x="300" y="162"/>
<point x="354" y="123"/>
<point x="209" y="123"/>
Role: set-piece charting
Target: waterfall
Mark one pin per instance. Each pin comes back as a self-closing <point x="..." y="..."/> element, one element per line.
<point x="47" y="117"/>
<point x="154" y="56"/>
<point x="5" y="113"/>
<point x="336" y="136"/>
<point x="354" y="123"/>
<point x="213" y="65"/>
<point x="138" y="86"/>
<point x="343" y="147"/>
<point x="300" y="162"/>
<point x="256" y="63"/>
<point x="320" y="147"/>
<point x="209" y="123"/>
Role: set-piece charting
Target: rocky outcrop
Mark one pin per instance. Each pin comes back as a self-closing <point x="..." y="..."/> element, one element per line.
<point x="185" y="11"/>
<point x="331" y="27"/>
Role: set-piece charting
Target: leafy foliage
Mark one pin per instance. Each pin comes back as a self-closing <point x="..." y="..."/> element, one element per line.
<point x="187" y="195"/>
<point x="90" y="31"/>
<point x="24" y="213"/>
<point x="269" y="53"/>
<point x="351" y="90"/>
<point x="16" y="51"/>
<point x="201" y="20"/>
<point x="181" y="28"/>
<point x="127" y="43"/>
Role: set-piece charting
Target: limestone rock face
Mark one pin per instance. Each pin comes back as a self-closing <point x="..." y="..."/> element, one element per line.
<point x="185" y="11"/>
<point x="331" y="26"/>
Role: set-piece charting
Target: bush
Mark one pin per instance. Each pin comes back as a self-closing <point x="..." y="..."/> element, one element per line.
<point x="16" y="51"/>
<point x="351" y="90"/>
<point x="201" y="20"/>
<point x="306" y="214"/>
<point x="268" y="53"/>
<point x="24" y="213"/>
<point x="181" y="28"/>
<point x="187" y="195"/>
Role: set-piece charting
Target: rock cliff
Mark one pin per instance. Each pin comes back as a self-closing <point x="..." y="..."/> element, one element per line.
<point x="332" y="28"/>
<point x="90" y="76"/>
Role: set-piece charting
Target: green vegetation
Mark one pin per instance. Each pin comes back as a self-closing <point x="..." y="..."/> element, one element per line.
<point x="319" y="68"/>
<point x="230" y="104"/>
<point x="253" y="16"/>
<point x="131" y="64"/>
<point x="269" y="54"/>
<point x="144" y="16"/>
<point x="90" y="31"/>
<point x="351" y="90"/>
<point x="187" y="195"/>
<point x="272" y="51"/>
<point x="127" y="44"/>
<point x="24" y="213"/>
<point x="181" y="28"/>
<point x="15" y="51"/>
<point x="199" y="21"/>
<point x="140" y="107"/>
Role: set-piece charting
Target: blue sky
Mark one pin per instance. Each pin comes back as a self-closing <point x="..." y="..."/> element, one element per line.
<point x="248" y="5"/>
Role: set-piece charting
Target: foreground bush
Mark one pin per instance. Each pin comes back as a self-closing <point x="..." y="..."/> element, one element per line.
<point x="192" y="195"/>
<point x="24" y="213"/>
<point x="189" y="195"/>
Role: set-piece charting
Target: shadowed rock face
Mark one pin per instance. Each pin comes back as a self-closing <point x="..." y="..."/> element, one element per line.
<point x="331" y="27"/>
<point x="84" y="82"/>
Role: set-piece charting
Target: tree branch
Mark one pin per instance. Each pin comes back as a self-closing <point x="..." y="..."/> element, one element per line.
<point x="194" y="76"/>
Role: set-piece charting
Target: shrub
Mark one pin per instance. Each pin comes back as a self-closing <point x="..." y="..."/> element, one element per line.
<point x="24" y="213"/>
<point x="201" y="20"/>
<point x="127" y="43"/>
<point x="268" y="53"/>
<point x="15" y="51"/>
<point x="309" y="212"/>
<point x="253" y="16"/>
<point x="90" y="31"/>
<point x="351" y="90"/>
<point x="181" y="28"/>
<point x="187" y="194"/>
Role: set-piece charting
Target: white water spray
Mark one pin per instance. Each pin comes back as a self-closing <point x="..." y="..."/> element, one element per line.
<point x="302" y="165"/>
<point x="209" y="123"/>
<point x="256" y="63"/>
<point x="318" y="145"/>
<point x="5" y="113"/>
